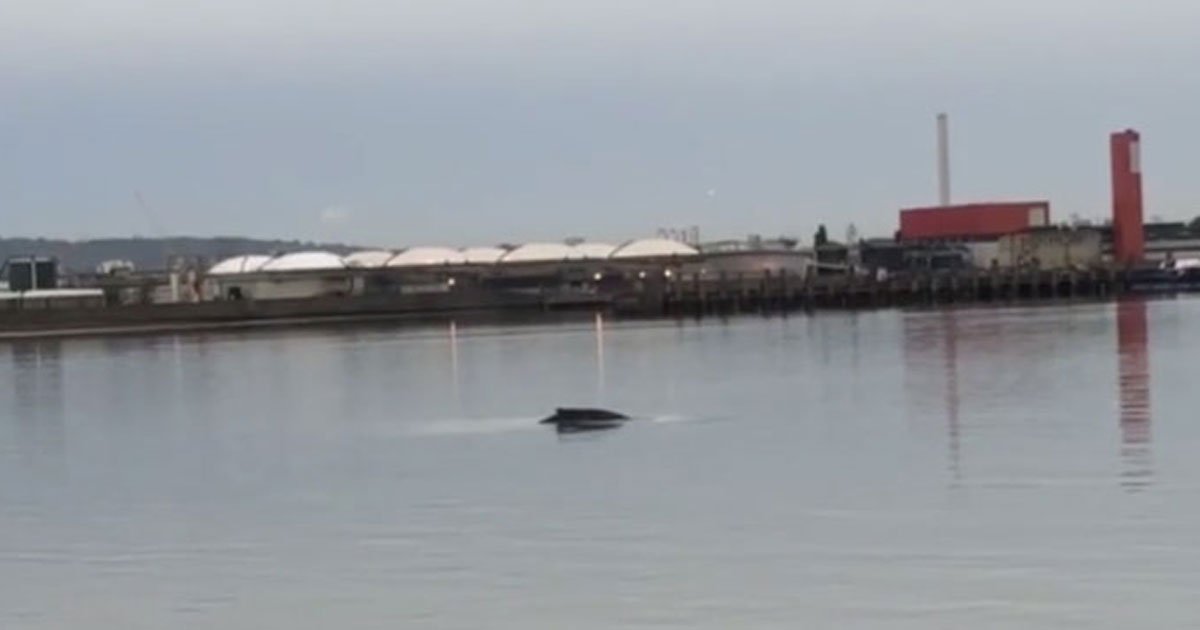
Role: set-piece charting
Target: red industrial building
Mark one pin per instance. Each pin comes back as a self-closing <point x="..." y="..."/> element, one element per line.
<point x="989" y="221"/>
<point x="972" y="222"/>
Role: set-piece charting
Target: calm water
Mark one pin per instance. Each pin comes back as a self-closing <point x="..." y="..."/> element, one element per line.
<point x="1014" y="468"/>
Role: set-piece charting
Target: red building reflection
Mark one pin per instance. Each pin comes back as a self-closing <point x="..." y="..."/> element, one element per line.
<point x="1133" y="387"/>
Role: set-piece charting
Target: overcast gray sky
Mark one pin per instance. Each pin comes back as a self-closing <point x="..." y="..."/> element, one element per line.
<point x="477" y="121"/>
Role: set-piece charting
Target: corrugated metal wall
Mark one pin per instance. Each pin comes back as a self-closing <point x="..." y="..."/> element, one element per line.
<point x="972" y="221"/>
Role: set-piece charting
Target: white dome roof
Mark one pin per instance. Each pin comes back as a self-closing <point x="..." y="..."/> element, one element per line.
<point x="369" y="258"/>
<point x="653" y="248"/>
<point x="540" y="252"/>
<point x="593" y="251"/>
<point x="238" y="264"/>
<point x="427" y="256"/>
<point x="482" y="255"/>
<point x="305" y="261"/>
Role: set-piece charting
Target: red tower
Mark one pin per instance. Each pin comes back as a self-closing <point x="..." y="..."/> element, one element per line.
<point x="1129" y="244"/>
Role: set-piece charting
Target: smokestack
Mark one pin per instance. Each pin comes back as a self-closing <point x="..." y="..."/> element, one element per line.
<point x="1128" y="231"/>
<point x="943" y="140"/>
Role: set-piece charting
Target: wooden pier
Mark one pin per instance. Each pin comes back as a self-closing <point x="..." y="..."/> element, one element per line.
<point x="750" y="293"/>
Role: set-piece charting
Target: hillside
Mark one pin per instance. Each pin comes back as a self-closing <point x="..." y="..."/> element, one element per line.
<point x="149" y="253"/>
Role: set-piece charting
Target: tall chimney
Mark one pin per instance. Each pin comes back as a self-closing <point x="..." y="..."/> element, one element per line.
<point x="1129" y="246"/>
<point x="943" y="140"/>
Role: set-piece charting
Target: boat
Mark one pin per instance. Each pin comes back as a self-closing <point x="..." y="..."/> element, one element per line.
<point x="1170" y="276"/>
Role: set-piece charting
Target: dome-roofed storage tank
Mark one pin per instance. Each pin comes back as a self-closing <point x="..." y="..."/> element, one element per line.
<point x="540" y="252"/>
<point x="426" y="257"/>
<point x="483" y="255"/>
<point x="238" y="264"/>
<point x="369" y="259"/>
<point x="594" y="251"/>
<point x="654" y="248"/>
<point x="304" y="261"/>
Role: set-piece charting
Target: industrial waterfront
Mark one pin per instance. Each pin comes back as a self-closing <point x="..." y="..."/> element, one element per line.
<point x="978" y="251"/>
<point x="987" y="467"/>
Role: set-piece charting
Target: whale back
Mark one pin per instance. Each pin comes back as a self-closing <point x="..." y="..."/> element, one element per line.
<point x="581" y="414"/>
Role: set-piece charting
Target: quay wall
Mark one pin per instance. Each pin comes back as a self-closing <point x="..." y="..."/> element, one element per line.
<point x="661" y="292"/>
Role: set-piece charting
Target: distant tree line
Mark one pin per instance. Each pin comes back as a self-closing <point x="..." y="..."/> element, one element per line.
<point x="149" y="253"/>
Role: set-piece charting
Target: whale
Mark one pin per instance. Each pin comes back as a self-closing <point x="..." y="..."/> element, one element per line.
<point x="577" y="419"/>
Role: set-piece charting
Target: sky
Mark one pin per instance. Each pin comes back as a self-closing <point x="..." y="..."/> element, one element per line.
<point x="466" y="122"/>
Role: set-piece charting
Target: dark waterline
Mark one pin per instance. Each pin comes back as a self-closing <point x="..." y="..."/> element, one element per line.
<point x="1000" y="468"/>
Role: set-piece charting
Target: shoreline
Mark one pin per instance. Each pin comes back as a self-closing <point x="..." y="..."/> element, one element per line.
<point x="654" y="298"/>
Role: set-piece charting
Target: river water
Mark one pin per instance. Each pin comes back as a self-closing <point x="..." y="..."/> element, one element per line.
<point x="982" y="468"/>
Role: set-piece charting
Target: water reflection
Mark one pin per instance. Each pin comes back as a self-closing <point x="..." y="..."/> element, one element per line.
<point x="600" y="384"/>
<point x="454" y="379"/>
<point x="37" y="400"/>
<point x="931" y="357"/>
<point x="950" y="369"/>
<point x="1133" y="387"/>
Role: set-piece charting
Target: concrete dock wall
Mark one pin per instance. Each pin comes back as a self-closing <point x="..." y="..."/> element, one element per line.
<point x="648" y="292"/>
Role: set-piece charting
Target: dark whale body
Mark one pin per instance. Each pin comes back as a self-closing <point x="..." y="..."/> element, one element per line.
<point x="575" y="419"/>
